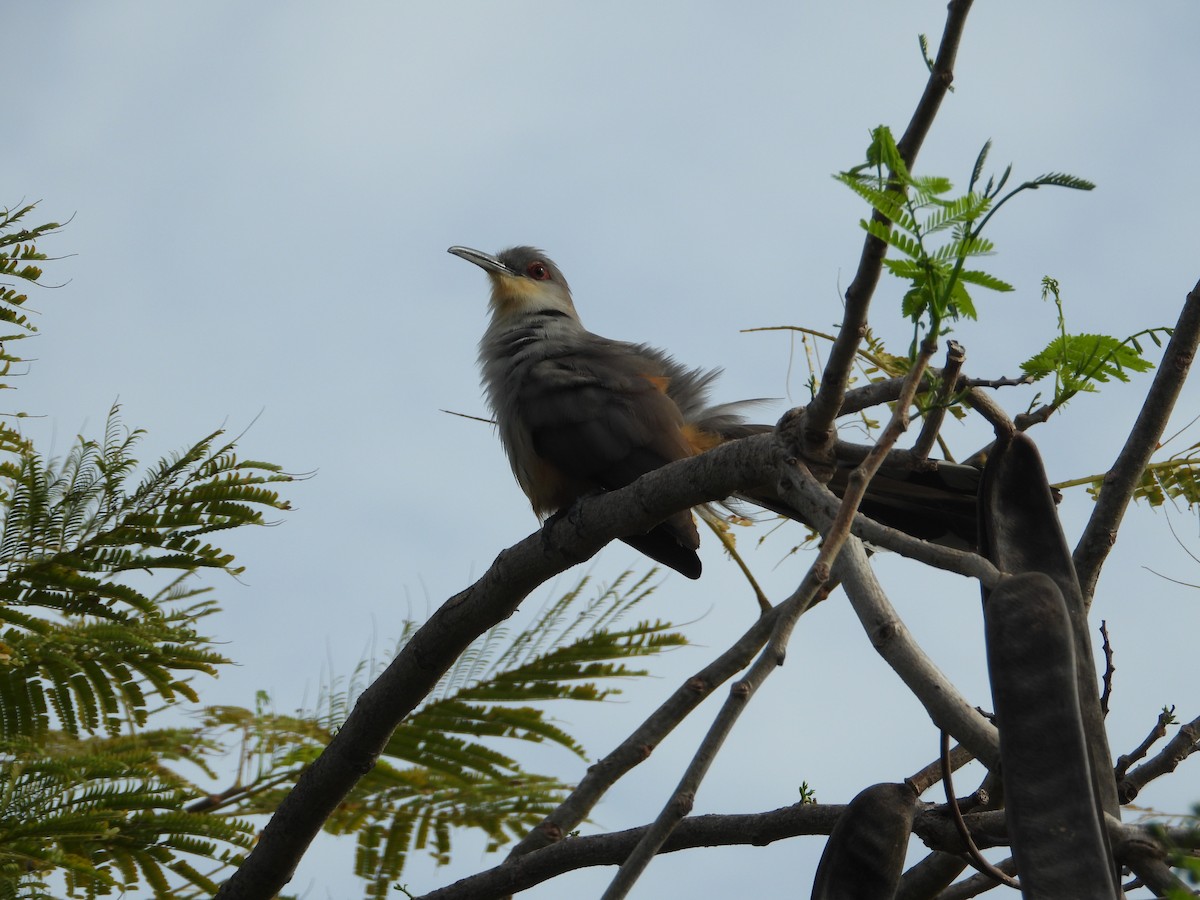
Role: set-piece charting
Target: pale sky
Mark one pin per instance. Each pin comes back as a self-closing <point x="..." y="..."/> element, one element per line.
<point x="262" y="196"/>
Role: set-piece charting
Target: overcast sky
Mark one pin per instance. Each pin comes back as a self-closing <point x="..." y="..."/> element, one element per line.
<point x="261" y="198"/>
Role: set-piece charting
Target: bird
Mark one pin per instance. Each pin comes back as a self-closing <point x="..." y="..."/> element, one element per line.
<point x="579" y="414"/>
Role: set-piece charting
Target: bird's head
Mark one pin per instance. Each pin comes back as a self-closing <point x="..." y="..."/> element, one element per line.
<point x="523" y="280"/>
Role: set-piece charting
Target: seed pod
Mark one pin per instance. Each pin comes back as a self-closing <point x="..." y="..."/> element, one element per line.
<point x="864" y="857"/>
<point x="1054" y="820"/>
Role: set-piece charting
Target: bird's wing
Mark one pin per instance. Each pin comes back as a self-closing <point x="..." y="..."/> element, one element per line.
<point x="602" y="416"/>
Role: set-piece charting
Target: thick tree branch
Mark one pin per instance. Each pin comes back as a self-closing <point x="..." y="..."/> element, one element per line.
<point x="1119" y="484"/>
<point x="611" y="849"/>
<point x="564" y="541"/>
<point x="932" y="824"/>
<point x="948" y="709"/>
<point x="819" y="432"/>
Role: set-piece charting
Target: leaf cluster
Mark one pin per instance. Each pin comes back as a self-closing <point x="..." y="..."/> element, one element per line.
<point x="99" y="627"/>
<point x="934" y="233"/>
<point x="85" y="646"/>
<point x="106" y="814"/>
<point x="1079" y="362"/>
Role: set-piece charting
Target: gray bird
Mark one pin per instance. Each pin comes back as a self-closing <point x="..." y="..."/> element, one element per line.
<point x="579" y="413"/>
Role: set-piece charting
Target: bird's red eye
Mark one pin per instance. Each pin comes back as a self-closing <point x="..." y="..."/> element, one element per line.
<point x="537" y="270"/>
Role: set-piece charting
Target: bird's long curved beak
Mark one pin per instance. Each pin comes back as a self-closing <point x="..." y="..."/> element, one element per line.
<point x="485" y="261"/>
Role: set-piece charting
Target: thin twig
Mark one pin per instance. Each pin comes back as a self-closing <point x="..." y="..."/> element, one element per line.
<point x="977" y="858"/>
<point x="1157" y="733"/>
<point x="1185" y="742"/>
<point x="641" y="742"/>
<point x="1109" y="669"/>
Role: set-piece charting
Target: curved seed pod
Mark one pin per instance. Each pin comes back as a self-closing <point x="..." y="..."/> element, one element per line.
<point x="1054" y="821"/>
<point x="1020" y="532"/>
<point x="864" y="857"/>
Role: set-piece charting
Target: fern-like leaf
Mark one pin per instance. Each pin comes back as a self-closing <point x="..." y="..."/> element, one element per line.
<point x="1079" y="361"/>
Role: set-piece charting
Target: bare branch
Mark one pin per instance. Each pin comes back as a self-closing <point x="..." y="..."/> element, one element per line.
<point x="932" y="773"/>
<point x="684" y="794"/>
<point x="1185" y="742"/>
<point x="1157" y="733"/>
<point x="948" y="709"/>
<point x="1119" y="484"/>
<point x="933" y="825"/>
<point x="1109" y="669"/>
<point x="638" y="746"/>
<point x="955" y="357"/>
<point x="610" y="849"/>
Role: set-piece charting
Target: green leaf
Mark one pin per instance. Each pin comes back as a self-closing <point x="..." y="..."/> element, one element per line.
<point x="888" y="202"/>
<point x="983" y="279"/>
<point x="1062" y="179"/>
<point x="1081" y="360"/>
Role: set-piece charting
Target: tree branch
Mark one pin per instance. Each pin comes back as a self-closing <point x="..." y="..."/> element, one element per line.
<point x="932" y="824"/>
<point x="948" y="709"/>
<point x="955" y="357"/>
<point x="1157" y="733"/>
<point x="1122" y="479"/>
<point x="836" y="537"/>
<point x="562" y="542"/>
<point x="818" y="432"/>
<point x="1185" y="742"/>
<point x="638" y="746"/>
<point x="684" y="794"/>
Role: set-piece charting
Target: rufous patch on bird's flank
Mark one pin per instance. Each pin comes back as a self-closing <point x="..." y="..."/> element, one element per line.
<point x="701" y="440"/>
<point x="662" y="382"/>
